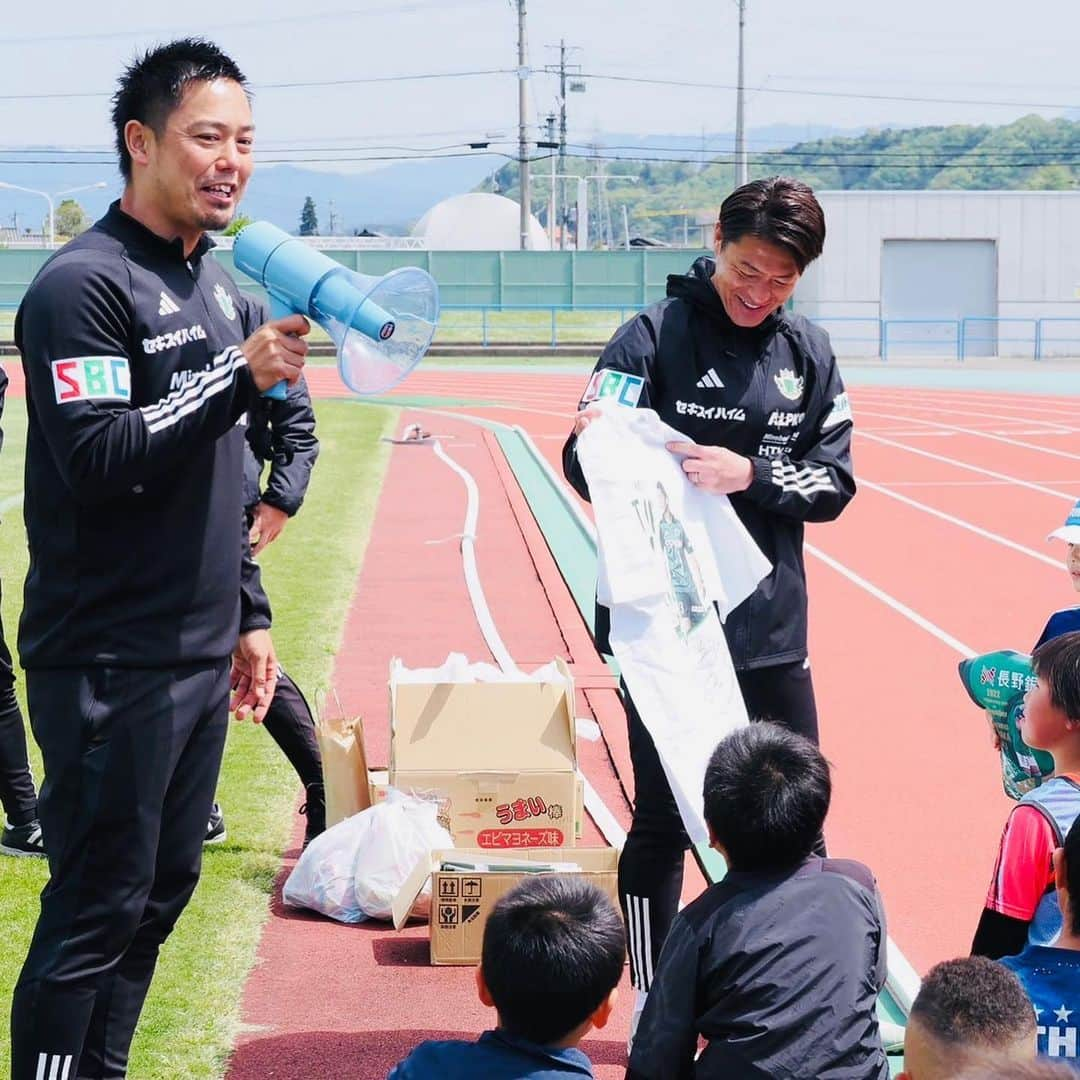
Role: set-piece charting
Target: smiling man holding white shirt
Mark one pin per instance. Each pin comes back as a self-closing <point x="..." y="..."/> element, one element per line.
<point x="757" y="393"/>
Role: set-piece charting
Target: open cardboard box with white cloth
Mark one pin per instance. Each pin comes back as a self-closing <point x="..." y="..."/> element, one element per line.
<point x="500" y="749"/>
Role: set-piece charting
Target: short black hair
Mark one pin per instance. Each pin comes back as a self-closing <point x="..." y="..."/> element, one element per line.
<point x="554" y="948"/>
<point x="1057" y="663"/>
<point x="1072" y="872"/>
<point x="153" y="86"/>
<point x="779" y="209"/>
<point x="973" y="1002"/>
<point x="767" y="792"/>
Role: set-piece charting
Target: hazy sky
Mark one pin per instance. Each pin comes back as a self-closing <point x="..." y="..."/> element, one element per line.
<point x="839" y="62"/>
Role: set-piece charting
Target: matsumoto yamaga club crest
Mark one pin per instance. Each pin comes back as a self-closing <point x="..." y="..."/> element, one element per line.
<point x="225" y="302"/>
<point x="789" y="384"/>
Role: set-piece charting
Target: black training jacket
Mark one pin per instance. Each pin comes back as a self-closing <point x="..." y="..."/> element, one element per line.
<point x="772" y="393"/>
<point x="137" y="397"/>
<point x="281" y="431"/>
<point x="779" y="973"/>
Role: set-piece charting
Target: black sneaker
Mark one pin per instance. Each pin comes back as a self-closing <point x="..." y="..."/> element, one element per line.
<point x="315" y="809"/>
<point x="215" y="827"/>
<point x="22" y="840"/>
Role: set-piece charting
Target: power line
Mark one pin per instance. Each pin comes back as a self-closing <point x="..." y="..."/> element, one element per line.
<point x="162" y="32"/>
<point x="883" y="154"/>
<point x="286" y="85"/>
<point x="823" y="161"/>
<point x="861" y="95"/>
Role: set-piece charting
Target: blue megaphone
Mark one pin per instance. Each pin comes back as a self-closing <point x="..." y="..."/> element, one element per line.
<point x="381" y="326"/>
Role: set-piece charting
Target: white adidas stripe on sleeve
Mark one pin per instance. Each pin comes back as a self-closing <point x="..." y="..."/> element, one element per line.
<point x="170" y="410"/>
<point x="806" y="481"/>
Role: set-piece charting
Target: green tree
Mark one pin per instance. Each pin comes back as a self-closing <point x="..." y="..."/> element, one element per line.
<point x="70" y="219"/>
<point x="309" y="221"/>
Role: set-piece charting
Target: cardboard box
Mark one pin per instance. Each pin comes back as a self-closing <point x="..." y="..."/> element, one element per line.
<point x="462" y="900"/>
<point x="379" y="785"/>
<point x="503" y="755"/>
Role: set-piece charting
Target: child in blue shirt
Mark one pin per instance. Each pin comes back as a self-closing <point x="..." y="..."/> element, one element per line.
<point x="553" y="953"/>
<point x="1051" y="973"/>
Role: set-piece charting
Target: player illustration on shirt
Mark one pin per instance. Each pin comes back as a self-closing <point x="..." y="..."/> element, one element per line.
<point x="686" y="593"/>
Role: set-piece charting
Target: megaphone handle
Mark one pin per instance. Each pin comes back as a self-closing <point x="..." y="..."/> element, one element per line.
<point x="278" y="310"/>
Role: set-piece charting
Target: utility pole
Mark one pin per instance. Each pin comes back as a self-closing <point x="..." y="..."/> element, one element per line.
<point x="523" y="147"/>
<point x="741" y="169"/>
<point x="562" y="138"/>
<point x="332" y="226"/>
<point x="553" y="205"/>
<point x="577" y="86"/>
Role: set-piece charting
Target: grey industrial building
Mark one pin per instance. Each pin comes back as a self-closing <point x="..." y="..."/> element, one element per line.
<point x="964" y="273"/>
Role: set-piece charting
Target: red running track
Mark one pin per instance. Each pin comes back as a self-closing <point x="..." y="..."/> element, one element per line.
<point x="943" y="550"/>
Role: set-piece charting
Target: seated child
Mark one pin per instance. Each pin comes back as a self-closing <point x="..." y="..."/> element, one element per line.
<point x="1021" y="906"/>
<point x="1050" y="974"/>
<point x="553" y="952"/>
<point x="779" y="965"/>
<point x="968" y="1012"/>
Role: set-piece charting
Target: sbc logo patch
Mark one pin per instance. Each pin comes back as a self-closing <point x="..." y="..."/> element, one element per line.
<point x="91" y="378"/>
<point x="623" y="387"/>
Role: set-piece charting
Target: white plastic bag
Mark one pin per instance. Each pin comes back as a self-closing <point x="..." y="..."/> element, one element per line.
<point x="354" y="870"/>
<point x="322" y="879"/>
<point x="405" y="832"/>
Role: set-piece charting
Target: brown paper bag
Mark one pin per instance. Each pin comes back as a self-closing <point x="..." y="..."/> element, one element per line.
<point x="345" y="771"/>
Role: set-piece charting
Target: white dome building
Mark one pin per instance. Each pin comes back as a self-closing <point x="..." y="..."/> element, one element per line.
<point x="478" y="221"/>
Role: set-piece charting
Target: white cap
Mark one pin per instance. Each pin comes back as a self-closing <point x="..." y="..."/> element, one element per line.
<point x="1070" y="531"/>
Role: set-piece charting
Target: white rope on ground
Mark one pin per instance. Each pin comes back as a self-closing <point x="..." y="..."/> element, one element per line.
<point x="610" y="829"/>
<point x="472" y="574"/>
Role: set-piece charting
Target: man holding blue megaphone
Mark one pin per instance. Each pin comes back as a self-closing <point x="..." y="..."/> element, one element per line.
<point x="141" y="365"/>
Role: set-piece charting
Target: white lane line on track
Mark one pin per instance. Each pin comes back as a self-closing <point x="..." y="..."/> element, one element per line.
<point x="996" y="538"/>
<point x="970" y="468"/>
<point x="923" y="434"/>
<point x="983" y="414"/>
<point x="998" y="398"/>
<point x="890" y="601"/>
<point x="918" y="434"/>
<point x="977" y="434"/>
<point x="1050" y="409"/>
<point x="963" y="483"/>
<point x="11" y="502"/>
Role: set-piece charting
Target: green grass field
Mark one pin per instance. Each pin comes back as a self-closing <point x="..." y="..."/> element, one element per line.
<point x="503" y="327"/>
<point x="191" y="1016"/>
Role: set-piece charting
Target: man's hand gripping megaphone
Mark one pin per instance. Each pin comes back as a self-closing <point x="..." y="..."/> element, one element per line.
<point x="276" y="351"/>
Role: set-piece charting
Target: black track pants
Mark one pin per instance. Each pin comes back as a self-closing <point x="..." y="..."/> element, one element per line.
<point x="131" y="761"/>
<point x="17" y="795"/>
<point x="290" y="724"/>
<point x="651" y="865"/>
